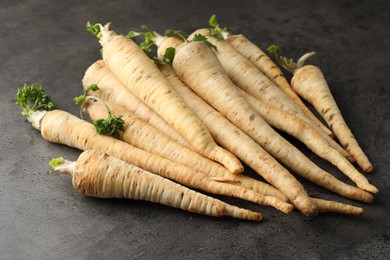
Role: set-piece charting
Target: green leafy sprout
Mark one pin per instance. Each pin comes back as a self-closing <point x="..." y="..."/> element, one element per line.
<point x="94" y="29"/>
<point x="215" y="30"/>
<point x="55" y="162"/>
<point x="178" y="33"/>
<point x="202" y="38"/>
<point x="33" y="98"/>
<point x="80" y="99"/>
<point x="169" y="55"/>
<point x="112" y="125"/>
<point x="285" y="62"/>
<point x="150" y="38"/>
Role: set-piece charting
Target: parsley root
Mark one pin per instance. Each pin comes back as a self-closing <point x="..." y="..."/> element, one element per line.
<point x="139" y="73"/>
<point x="247" y="77"/>
<point x="264" y="63"/>
<point x="189" y="64"/>
<point x="246" y="149"/>
<point x="144" y="136"/>
<point x="303" y="132"/>
<point x="64" y="128"/>
<point x="337" y="207"/>
<point x="309" y="82"/>
<point x="97" y="174"/>
<point x="112" y="90"/>
<point x="296" y="127"/>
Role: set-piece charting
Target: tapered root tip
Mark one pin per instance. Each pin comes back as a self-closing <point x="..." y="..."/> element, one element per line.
<point x="368" y="168"/>
<point x="240" y="213"/>
<point x="280" y="205"/>
<point x="255" y="216"/>
<point x="349" y="211"/>
<point x="286" y="208"/>
<point x="231" y="163"/>
<point x="363" y="196"/>
<point x="370" y="188"/>
<point x="326" y="206"/>
<point x="366" y="186"/>
<point x="357" y="211"/>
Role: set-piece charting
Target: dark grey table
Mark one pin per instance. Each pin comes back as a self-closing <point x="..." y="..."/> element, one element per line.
<point x="42" y="217"/>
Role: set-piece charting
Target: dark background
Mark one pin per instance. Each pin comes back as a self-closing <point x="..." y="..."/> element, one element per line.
<point x="42" y="217"/>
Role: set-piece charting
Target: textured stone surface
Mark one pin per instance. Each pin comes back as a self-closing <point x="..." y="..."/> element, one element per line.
<point x="42" y="217"/>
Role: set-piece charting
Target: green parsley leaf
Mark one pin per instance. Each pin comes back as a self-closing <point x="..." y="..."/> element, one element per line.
<point x="80" y="99"/>
<point x="201" y="38"/>
<point x="33" y="98"/>
<point x="94" y="29"/>
<point x="112" y="125"/>
<point x="55" y="162"/>
<point x="178" y="33"/>
<point x="273" y="48"/>
<point x="216" y="30"/>
<point x="169" y="55"/>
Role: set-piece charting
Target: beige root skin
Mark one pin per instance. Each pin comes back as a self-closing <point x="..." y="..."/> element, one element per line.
<point x="148" y="138"/>
<point x="198" y="56"/>
<point x="309" y="82"/>
<point x="98" y="175"/>
<point x="265" y="135"/>
<point x="326" y="206"/>
<point x="112" y="90"/>
<point x="263" y="62"/>
<point x="296" y="127"/>
<point x="235" y="64"/>
<point x="258" y="186"/>
<point x="249" y="78"/>
<point x="138" y="72"/>
<point x="299" y="129"/>
<point x="242" y="145"/>
<point x="61" y="127"/>
<point x="287" y="154"/>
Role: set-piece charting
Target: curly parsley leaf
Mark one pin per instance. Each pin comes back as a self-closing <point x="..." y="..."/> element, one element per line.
<point x="112" y="125"/>
<point x="33" y="98"/>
